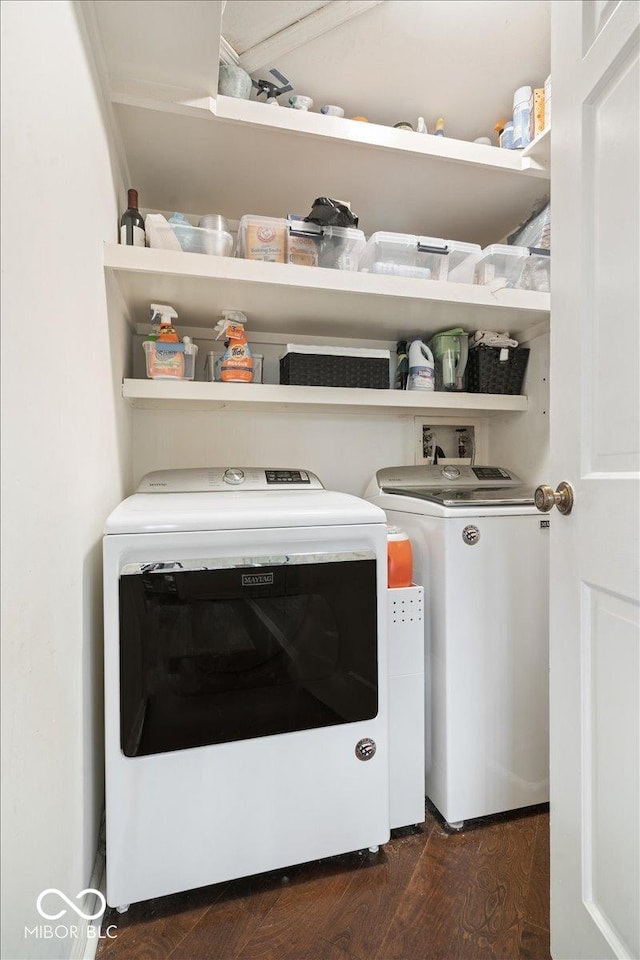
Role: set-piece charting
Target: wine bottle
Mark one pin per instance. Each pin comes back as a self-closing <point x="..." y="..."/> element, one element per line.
<point x="132" y="223"/>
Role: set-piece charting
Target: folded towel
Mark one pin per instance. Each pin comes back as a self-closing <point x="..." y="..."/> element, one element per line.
<point x="490" y="339"/>
<point x="160" y="233"/>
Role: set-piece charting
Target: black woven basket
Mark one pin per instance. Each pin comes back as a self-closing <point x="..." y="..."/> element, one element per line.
<point x="487" y="373"/>
<point x="327" y="370"/>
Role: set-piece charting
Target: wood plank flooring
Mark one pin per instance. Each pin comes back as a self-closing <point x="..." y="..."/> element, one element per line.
<point x="431" y="895"/>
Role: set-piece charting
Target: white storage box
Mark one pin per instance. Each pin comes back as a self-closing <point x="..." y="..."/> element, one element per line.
<point x="500" y="265"/>
<point x="214" y="364"/>
<point x="425" y="258"/>
<point x="338" y="248"/>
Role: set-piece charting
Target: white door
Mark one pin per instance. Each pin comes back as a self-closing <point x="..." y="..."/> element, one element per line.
<point x="595" y="376"/>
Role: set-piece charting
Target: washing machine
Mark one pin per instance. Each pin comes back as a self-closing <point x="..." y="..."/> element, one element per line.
<point x="245" y="678"/>
<point x="480" y="551"/>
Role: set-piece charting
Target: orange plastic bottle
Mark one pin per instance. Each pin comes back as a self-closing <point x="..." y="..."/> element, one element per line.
<point x="399" y="558"/>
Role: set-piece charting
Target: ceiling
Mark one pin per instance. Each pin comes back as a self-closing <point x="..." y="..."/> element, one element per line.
<point x="246" y="23"/>
<point x="400" y="59"/>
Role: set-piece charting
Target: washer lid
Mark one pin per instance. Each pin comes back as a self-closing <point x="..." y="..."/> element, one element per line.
<point x="239" y="510"/>
<point x="465" y="497"/>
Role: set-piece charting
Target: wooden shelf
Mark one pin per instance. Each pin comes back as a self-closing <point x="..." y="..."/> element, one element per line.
<point x="288" y="299"/>
<point x="172" y="395"/>
<point x="233" y="157"/>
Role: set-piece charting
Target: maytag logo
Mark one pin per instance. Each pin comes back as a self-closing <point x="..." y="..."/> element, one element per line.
<point x="256" y="579"/>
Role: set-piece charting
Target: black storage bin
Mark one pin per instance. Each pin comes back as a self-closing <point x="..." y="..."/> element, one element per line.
<point x="332" y="370"/>
<point x="487" y="373"/>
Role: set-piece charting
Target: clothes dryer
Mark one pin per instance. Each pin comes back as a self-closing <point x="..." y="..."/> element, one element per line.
<point x="245" y="678"/>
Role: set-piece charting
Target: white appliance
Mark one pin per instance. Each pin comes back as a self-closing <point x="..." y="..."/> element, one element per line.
<point x="245" y="678"/>
<point x="480" y="549"/>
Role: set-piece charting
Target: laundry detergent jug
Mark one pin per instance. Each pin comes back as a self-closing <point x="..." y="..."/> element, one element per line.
<point x="421" y="367"/>
<point x="450" y="351"/>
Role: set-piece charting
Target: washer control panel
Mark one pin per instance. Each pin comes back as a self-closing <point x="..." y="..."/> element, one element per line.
<point x="227" y="479"/>
<point x="449" y="474"/>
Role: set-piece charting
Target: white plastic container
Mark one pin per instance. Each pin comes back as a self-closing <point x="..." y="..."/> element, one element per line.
<point x="424" y="258"/>
<point x="522" y="107"/>
<point x="500" y="265"/>
<point x="154" y="354"/>
<point x="262" y="238"/>
<point x="337" y="248"/>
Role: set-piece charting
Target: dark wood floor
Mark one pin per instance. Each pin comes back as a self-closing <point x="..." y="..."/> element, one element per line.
<point x="433" y="895"/>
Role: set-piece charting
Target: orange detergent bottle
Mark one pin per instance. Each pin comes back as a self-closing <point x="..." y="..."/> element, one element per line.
<point x="399" y="558"/>
<point x="237" y="360"/>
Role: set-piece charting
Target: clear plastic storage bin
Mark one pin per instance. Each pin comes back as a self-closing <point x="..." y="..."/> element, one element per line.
<point x="500" y="265"/>
<point x="536" y="271"/>
<point x="338" y="248"/>
<point x="170" y="361"/>
<point x="424" y="258"/>
<point x="262" y="238"/>
<point x="217" y="243"/>
<point x="165" y="234"/>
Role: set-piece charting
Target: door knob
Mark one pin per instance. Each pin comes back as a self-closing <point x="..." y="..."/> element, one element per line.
<point x="545" y="498"/>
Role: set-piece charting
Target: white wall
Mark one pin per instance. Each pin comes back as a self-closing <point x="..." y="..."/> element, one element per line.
<point x="65" y="457"/>
<point x="520" y="441"/>
<point x="345" y="451"/>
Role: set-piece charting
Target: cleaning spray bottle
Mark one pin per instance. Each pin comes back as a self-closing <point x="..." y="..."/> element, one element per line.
<point x="164" y="352"/>
<point x="237" y="361"/>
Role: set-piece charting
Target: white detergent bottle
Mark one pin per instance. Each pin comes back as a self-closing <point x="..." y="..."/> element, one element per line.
<point x="422" y="370"/>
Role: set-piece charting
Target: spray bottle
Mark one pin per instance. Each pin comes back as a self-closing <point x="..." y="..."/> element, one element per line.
<point x="164" y="352"/>
<point x="237" y="361"/>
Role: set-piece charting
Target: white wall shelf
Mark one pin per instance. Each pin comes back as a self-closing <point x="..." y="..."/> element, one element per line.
<point x="234" y="156"/>
<point x="195" y="395"/>
<point x="290" y="299"/>
<point x="539" y="150"/>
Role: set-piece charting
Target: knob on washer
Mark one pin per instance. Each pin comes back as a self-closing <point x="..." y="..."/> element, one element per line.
<point x="450" y="472"/>
<point x="233" y="475"/>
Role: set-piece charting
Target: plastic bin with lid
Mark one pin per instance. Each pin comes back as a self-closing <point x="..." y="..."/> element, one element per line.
<point x="424" y="258"/>
<point x="312" y="245"/>
<point x="500" y="265"/>
<point x="536" y="271"/>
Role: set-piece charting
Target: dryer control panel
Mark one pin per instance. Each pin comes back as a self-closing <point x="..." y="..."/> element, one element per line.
<point x="221" y="479"/>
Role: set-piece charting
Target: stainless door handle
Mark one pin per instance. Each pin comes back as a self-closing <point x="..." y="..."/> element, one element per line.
<point x="545" y="498"/>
